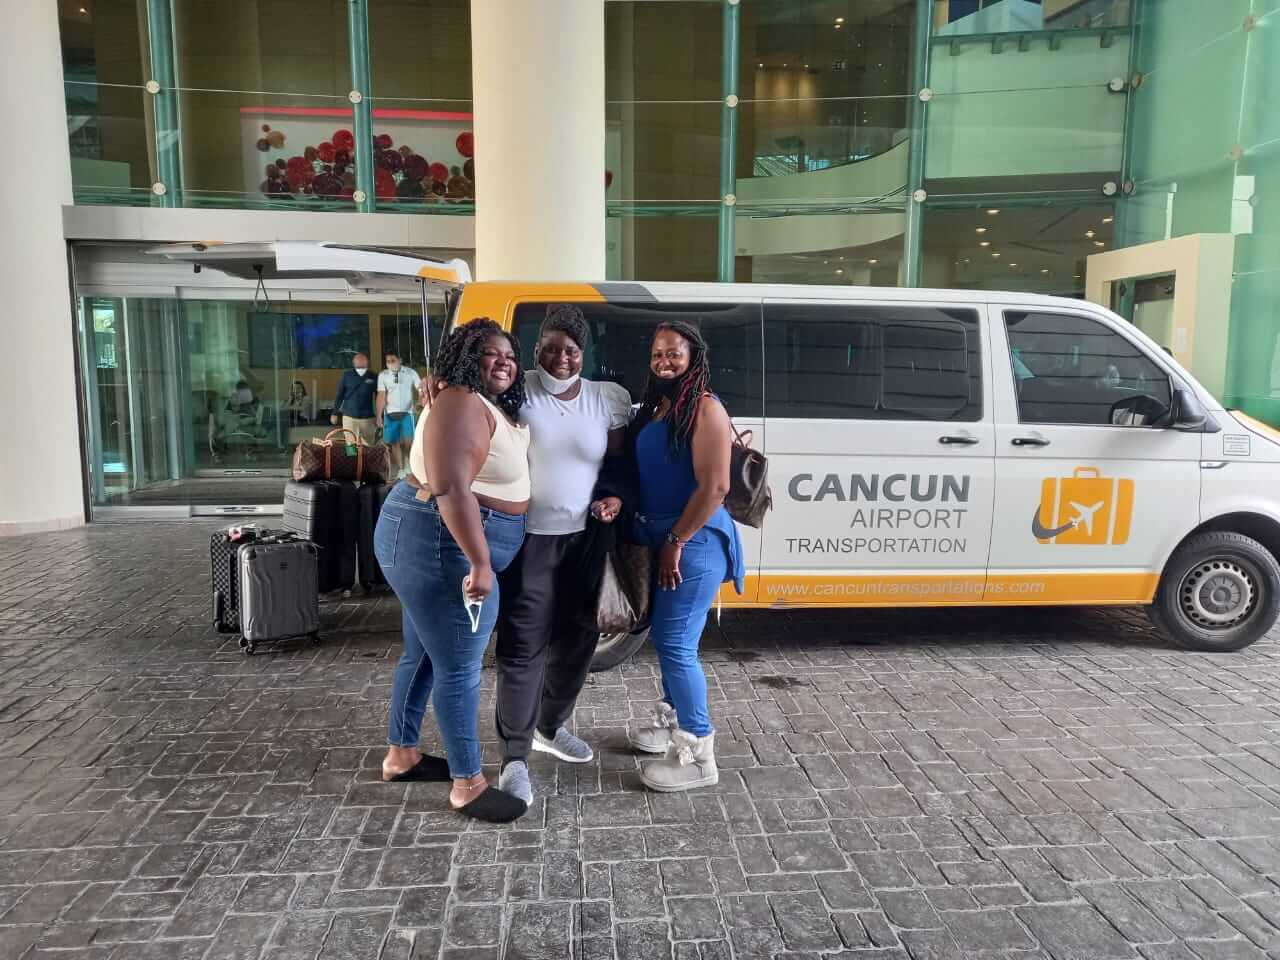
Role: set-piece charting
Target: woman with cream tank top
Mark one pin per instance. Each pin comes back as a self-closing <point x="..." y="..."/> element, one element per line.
<point x="444" y="534"/>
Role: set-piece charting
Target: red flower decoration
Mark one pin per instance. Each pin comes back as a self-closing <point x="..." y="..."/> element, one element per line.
<point x="415" y="168"/>
<point x="341" y="155"/>
<point x="391" y="160"/>
<point x="384" y="184"/>
<point x="466" y="143"/>
<point x="383" y="141"/>
<point x="263" y="145"/>
<point x="326" y="152"/>
<point x="344" y="140"/>
<point x="439" y="172"/>
<point x="266" y="128"/>
<point x="326" y="185"/>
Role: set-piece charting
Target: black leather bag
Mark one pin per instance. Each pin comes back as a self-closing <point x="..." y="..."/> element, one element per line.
<point x="622" y="604"/>
<point x="749" y="497"/>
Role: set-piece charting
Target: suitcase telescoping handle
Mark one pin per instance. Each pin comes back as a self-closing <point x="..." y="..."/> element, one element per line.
<point x="1086" y="472"/>
<point x="217" y="607"/>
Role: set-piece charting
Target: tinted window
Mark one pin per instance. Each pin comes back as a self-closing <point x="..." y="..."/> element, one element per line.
<point x="848" y="361"/>
<point x="621" y="334"/>
<point x="1072" y="369"/>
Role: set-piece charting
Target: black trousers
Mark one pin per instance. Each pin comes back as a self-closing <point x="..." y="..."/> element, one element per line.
<point x="543" y="655"/>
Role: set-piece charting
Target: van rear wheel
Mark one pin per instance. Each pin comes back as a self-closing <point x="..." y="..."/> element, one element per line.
<point x="615" y="648"/>
<point x="1220" y="592"/>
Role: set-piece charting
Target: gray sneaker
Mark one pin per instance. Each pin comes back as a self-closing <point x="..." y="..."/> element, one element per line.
<point x="514" y="780"/>
<point x="564" y="746"/>
<point x="654" y="735"/>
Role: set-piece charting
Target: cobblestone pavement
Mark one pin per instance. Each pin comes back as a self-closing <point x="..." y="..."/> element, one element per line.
<point x="1040" y="783"/>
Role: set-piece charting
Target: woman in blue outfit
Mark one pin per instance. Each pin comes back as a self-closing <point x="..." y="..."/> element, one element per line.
<point x="682" y="440"/>
<point x="445" y="531"/>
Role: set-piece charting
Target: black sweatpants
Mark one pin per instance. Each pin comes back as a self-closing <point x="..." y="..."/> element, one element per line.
<point x="543" y="655"/>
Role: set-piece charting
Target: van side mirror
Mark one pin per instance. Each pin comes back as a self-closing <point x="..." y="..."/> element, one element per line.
<point x="1185" y="410"/>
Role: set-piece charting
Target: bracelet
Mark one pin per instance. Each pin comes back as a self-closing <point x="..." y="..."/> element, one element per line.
<point x="674" y="540"/>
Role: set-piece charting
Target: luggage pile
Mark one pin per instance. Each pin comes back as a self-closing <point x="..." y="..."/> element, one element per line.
<point x="267" y="584"/>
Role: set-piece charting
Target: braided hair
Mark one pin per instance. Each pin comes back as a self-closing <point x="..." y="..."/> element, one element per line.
<point x="567" y="319"/>
<point x="458" y="362"/>
<point x="687" y="393"/>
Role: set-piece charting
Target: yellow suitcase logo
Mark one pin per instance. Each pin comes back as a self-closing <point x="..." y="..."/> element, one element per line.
<point x="1084" y="508"/>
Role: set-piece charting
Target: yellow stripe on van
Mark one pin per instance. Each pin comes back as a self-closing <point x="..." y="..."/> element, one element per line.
<point x="961" y="590"/>
<point x="430" y="272"/>
<point x="497" y="301"/>
<point x="1256" y="425"/>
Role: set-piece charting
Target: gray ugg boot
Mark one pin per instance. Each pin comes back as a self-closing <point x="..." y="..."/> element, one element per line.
<point x="654" y="736"/>
<point x="690" y="762"/>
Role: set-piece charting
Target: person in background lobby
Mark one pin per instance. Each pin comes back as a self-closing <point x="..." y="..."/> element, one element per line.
<point x="398" y="388"/>
<point x="354" y="403"/>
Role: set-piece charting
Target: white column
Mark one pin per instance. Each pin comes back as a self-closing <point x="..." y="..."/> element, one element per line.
<point x="40" y="473"/>
<point x="538" y="86"/>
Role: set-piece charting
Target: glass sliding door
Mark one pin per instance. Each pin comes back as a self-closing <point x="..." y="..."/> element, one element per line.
<point x="195" y="406"/>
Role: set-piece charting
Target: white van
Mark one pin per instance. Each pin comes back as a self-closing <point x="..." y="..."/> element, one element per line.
<point x="943" y="447"/>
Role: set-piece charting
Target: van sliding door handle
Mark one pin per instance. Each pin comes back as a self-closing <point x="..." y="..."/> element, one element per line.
<point x="961" y="440"/>
<point x="1030" y="442"/>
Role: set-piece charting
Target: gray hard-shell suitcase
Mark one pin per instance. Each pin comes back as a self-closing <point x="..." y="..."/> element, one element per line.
<point x="279" y="594"/>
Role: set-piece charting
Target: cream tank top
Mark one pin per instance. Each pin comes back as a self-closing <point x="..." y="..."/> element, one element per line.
<point x="504" y="475"/>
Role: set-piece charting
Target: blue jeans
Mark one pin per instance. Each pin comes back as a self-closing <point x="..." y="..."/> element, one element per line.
<point x="425" y="567"/>
<point x="678" y="616"/>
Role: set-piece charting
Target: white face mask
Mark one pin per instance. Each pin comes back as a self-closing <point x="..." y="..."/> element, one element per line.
<point x="362" y="370"/>
<point x="552" y="385"/>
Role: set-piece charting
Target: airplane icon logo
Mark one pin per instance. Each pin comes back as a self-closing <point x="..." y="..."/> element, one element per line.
<point x="1085" y="515"/>
<point x="1085" y="508"/>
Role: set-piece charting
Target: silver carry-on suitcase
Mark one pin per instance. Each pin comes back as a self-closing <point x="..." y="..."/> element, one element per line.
<point x="279" y="595"/>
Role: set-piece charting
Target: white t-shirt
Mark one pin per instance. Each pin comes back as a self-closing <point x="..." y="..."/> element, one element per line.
<point x="567" y="444"/>
<point x="403" y="395"/>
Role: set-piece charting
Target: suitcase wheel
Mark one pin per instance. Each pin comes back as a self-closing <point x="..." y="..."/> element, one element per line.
<point x="248" y="646"/>
<point x="314" y="638"/>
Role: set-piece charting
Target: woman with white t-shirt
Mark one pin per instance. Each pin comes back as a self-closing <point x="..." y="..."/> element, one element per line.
<point x="543" y="653"/>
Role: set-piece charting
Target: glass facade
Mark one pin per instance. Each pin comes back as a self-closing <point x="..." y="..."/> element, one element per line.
<point x="199" y="402"/>
<point x="981" y="144"/>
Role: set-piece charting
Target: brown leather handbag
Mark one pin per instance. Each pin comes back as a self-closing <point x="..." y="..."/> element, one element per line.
<point x="625" y="589"/>
<point x="341" y="456"/>
<point x="749" y="497"/>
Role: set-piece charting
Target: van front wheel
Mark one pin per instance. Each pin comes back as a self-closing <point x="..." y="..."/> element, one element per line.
<point x="614" y="648"/>
<point x="1220" y="592"/>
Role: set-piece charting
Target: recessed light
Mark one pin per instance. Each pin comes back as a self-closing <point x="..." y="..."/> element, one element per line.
<point x="839" y="19"/>
<point x="996" y="255"/>
<point x="1107" y="219"/>
<point x="784" y="64"/>
<point x="806" y="66"/>
<point x="839" y="270"/>
<point x="840" y="26"/>
<point x="984" y="243"/>
<point x="842" y="259"/>
<point x="1099" y="243"/>
<point x="84" y="11"/>
<point x="1075" y="276"/>
<point x="760" y="65"/>
<point x="980" y="230"/>
<point x="1090" y="234"/>
<point x="993" y="212"/>
<point x="1044" y="269"/>
<point x="873" y="261"/>
<point x="1013" y="264"/>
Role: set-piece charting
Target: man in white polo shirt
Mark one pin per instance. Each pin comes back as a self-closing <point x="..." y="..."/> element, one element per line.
<point x="397" y="397"/>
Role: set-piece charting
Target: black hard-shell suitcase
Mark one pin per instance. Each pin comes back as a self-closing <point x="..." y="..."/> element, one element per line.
<point x="224" y="548"/>
<point x="326" y="512"/>
<point x="372" y="497"/>
<point x="279" y="594"/>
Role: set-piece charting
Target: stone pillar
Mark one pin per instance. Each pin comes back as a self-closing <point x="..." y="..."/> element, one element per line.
<point x="538" y="89"/>
<point x="41" y="479"/>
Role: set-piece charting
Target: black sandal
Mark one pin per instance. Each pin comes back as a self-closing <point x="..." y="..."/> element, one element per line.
<point x="429" y="769"/>
<point x="494" y="806"/>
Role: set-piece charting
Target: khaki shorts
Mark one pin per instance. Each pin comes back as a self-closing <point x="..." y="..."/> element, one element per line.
<point x="364" y="428"/>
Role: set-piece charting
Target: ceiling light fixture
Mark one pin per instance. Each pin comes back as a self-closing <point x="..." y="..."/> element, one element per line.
<point x="1090" y="234"/>
<point x="984" y="243"/>
<point x="873" y="260"/>
<point x="1107" y="219"/>
<point x="1013" y="264"/>
<point x="980" y="230"/>
<point x="839" y="270"/>
<point x="1099" y="243"/>
<point x="996" y="256"/>
<point x="839" y="19"/>
<point x="992" y="212"/>
<point x="1044" y="269"/>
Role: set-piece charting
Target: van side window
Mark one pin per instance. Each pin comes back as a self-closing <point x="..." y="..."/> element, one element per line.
<point x="853" y="362"/>
<point x="1071" y="369"/>
<point x="621" y="334"/>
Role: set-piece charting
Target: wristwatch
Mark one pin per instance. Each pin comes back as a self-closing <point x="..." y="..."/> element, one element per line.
<point x="674" y="540"/>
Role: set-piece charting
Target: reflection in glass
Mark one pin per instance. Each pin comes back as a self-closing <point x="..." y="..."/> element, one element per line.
<point x="834" y="249"/>
<point x="953" y="18"/>
<point x="827" y="84"/>
<point x="1040" y="249"/>
<point x="201" y="402"/>
<point x="103" y="73"/>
